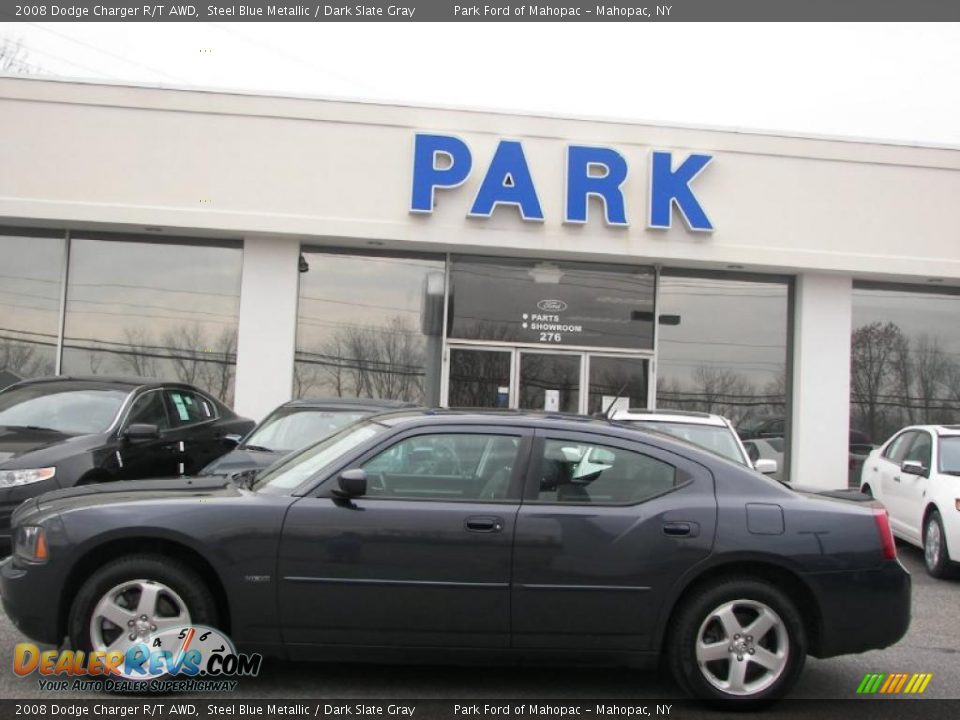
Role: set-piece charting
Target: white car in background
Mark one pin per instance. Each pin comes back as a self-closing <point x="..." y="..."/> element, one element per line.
<point x="766" y="449"/>
<point x="713" y="432"/>
<point x="916" y="475"/>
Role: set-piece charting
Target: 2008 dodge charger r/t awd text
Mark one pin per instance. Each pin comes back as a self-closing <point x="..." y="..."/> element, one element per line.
<point x="444" y="535"/>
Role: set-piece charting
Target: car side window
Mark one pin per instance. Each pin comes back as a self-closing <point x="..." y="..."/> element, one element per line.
<point x="187" y="408"/>
<point x="444" y="466"/>
<point x="920" y="449"/>
<point x="898" y="448"/>
<point x="577" y="472"/>
<point x="148" y="409"/>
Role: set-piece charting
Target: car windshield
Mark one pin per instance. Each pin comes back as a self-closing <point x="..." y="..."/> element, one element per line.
<point x="73" y="411"/>
<point x="950" y="455"/>
<point x="712" y="437"/>
<point x="292" y="472"/>
<point x="292" y="428"/>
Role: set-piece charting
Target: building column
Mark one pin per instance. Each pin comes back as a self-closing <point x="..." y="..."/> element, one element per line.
<point x="820" y="419"/>
<point x="269" y="293"/>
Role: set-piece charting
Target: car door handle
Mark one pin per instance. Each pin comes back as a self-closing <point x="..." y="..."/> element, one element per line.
<point x="484" y="524"/>
<point x="680" y="529"/>
<point x="896" y="478"/>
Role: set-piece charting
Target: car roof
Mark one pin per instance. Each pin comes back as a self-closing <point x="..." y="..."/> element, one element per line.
<point x="372" y="404"/>
<point x="670" y="416"/>
<point x="101" y="381"/>
<point x="942" y="430"/>
<point x="541" y="420"/>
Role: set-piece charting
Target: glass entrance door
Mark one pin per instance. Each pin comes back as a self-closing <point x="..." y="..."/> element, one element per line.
<point x="550" y="381"/>
<point x="479" y="376"/>
<point x="617" y="380"/>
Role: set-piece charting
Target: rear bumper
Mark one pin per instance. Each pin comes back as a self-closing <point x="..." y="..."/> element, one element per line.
<point x="862" y="610"/>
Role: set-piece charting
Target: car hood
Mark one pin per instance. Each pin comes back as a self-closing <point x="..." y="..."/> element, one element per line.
<point x="18" y="441"/>
<point x="128" y="491"/>
<point x="239" y="460"/>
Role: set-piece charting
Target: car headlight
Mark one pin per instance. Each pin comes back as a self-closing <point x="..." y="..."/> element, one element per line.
<point x="30" y="543"/>
<point x="12" y="478"/>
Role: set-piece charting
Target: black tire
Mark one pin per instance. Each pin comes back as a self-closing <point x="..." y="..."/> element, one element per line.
<point x="783" y="645"/>
<point x="867" y="491"/>
<point x="936" y="554"/>
<point x="186" y="586"/>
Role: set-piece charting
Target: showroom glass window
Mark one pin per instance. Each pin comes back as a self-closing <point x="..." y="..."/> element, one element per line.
<point x="31" y="278"/>
<point x="904" y="359"/>
<point x="154" y="308"/>
<point x="723" y="349"/>
<point x="551" y="304"/>
<point x="370" y="326"/>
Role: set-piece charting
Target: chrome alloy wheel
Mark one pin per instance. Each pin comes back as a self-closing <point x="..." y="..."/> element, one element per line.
<point x="135" y="610"/>
<point x="742" y="647"/>
<point x="933" y="543"/>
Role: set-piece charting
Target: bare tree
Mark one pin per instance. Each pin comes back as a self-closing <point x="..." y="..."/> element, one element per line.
<point x="878" y="354"/>
<point x="219" y="362"/>
<point x="140" y="357"/>
<point x="931" y="370"/>
<point x="375" y="361"/>
<point x="24" y="359"/>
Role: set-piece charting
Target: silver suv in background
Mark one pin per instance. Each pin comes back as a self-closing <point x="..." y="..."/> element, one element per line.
<point x="713" y="432"/>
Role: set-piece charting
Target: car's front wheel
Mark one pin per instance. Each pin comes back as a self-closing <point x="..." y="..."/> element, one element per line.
<point x="133" y="597"/>
<point x="740" y="641"/>
<point x="935" y="554"/>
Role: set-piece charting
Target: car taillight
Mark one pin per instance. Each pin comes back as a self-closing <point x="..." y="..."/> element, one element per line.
<point x="882" y="519"/>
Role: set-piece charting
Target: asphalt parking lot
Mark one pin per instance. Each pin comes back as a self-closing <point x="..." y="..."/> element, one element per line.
<point x="932" y="645"/>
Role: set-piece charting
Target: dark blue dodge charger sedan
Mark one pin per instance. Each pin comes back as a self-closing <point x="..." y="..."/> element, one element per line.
<point x="493" y="537"/>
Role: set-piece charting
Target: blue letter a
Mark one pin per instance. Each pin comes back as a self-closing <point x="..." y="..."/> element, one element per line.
<point x="508" y="182"/>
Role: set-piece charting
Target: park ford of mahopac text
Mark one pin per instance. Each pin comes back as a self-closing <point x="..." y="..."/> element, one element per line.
<point x="554" y="11"/>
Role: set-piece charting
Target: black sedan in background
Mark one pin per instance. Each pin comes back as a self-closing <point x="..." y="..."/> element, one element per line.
<point x="292" y="426"/>
<point x="500" y="537"/>
<point x="65" y="431"/>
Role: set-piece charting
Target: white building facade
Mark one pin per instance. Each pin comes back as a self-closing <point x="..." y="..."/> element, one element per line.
<point x="268" y="248"/>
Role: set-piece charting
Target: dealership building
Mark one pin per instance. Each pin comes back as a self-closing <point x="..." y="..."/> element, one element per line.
<point x="267" y="248"/>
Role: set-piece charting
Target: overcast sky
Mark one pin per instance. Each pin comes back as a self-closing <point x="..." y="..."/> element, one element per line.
<point x="892" y="81"/>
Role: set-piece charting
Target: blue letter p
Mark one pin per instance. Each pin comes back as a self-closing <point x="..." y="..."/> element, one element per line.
<point x="427" y="176"/>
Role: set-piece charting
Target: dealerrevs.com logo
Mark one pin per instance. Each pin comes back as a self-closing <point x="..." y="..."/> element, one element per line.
<point x="192" y="658"/>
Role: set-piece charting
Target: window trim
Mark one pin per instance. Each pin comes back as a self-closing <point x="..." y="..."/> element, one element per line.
<point x="139" y="396"/>
<point x="196" y="391"/>
<point x="892" y="441"/>
<point x="919" y="434"/>
<point x="685" y="475"/>
<point x="324" y="488"/>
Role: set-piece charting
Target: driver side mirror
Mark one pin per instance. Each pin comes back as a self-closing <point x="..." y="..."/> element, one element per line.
<point x="351" y="484"/>
<point x="912" y="467"/>
<point x="141" y="432"/>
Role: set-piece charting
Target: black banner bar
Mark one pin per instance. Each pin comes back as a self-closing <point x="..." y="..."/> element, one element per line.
<point x="178" y="708"/>
<point x="494" y="11"/>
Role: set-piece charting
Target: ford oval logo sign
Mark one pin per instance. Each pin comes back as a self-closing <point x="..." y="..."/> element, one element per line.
<point x="552" y="305"/>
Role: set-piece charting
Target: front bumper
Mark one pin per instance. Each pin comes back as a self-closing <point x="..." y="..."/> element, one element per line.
<point x="29" y="602"/>
<point x="862" y="610"/>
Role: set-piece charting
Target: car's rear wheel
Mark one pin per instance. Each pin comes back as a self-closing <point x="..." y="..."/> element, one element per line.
<point x="867" y="491"/>
<point x="133" y="597"/>
<point x="741" y="641"/>
<point x="935" y="553"/>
